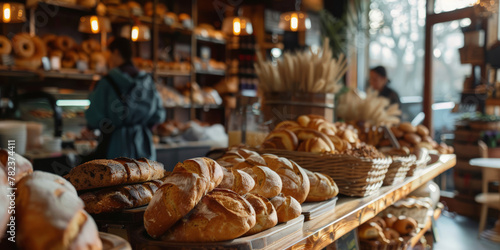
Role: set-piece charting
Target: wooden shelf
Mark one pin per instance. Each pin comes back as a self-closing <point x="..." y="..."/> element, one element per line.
<point x="211" y="72"/>
<point x="210" y="40"/>
<point x="196" y="106"/>
<point x="40" y="74"/>
<point x="352" y="212"/>
<point x="167" y="73"/>
<point x="163" y="28"/>
<point x="414" y="240"/>
<point x="63" y="4"/>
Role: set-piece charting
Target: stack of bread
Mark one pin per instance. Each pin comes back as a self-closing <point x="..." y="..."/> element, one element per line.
<point x="387" y="232"/>
<point x="416" y="136"/>
<point x="147" y="64"/>
<point x="48" y="214"/>
<point x="114" y="185"/>
<point x="242" y="193"/>
<point x="27" y="50"/>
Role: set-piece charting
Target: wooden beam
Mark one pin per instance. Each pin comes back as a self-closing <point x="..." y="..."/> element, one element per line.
<point x="428" y="95"/>
<point x="450" y="16"/>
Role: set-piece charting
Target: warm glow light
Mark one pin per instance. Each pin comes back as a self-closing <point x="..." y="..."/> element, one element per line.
<point x="236" y="26"/>
<point x="6" y="13"/>
<point x="294" y="22"/>
<point x="94" y="24"/>
<point x="135" y="33"/>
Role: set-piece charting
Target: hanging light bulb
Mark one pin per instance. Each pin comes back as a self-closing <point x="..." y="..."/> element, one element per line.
<point x="12" y="13"/>
<point x="238" y="26"/>
<point x="94" y="24"/>
<point x="134" y="35"/>
<point x="294" y="22"/>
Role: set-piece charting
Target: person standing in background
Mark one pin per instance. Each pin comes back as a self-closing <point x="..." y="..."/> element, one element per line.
<point x="379" y="81"/>
<point x="124" y="106"/>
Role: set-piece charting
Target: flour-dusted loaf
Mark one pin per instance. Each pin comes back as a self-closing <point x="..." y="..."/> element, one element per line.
<point x="267" y="182"/>
<point x="286" y="207"/>
<point x="180" y="192"/>
<point x="49" y="215"/>
<point x="23" y="167"/>
<point x="241" y="158"/>
<point x="322" y="187"/>
<point x="118" y="198"/>
<point x="106" y="173"/>
<point x="265" y="213"/>
<point x="237" y="180"/>
<point x="293" y="177"/>
<point x="221" y="215"/>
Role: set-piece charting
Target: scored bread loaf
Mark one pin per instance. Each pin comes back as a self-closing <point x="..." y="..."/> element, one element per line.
<point x="237" y="180"/>
<point x="241" y="158"/>
<point x="50" y="215"/>
<point x="115" y="199"/>
<point x="180" y="192"/>
<point x="322" y="187"/>
<point x="294" y="179"/>
<point x="267" y="182"/>
<point x="22" y="167"/>
<point x="106" y="173"/>
<point x="287" y="207"/>
<point x="265" y="214"/>
<point x="221" y="215"/>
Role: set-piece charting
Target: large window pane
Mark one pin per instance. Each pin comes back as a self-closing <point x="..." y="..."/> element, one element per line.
<point x="449" y="5"/>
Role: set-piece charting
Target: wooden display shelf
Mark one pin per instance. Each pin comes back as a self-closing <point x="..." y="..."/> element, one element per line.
<point x="210" y="40"/>
<point x="352" y="212"/>
<point x="62" y="4"/>
<point x="211" y="72"/>
<point x="117" y="17"/>
<point x="414" y="240"/>
<point x="196" y="106"/>
<point x="40" y="74"/>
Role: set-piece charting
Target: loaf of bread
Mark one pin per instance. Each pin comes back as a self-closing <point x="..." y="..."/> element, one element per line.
<point x="106" y="173"/>
<point x="287" y="207"/>
<point x="50" y="215"/>
<point x="322" y="187"/>
<point x="267" y="182"/>
<point x="118" y="198"/>
<point x="180" y="192"/>
<point x="372" y="231"/>
<point x="241" y="157"/>
<point x="23" y="167"/>
<point x="281" y="139"/>
<point x="237" y="180"/>
<point x="265" y="213"/>
<point x="294" y="178"/>
<point x="221" y="215"/>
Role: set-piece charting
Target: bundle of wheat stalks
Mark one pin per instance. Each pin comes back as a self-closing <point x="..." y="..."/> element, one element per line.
<point x="373" y="109"/>
<point x="306" y="71"/>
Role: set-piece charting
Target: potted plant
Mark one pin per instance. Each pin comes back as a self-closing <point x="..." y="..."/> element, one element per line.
<point x="492" y="139"/>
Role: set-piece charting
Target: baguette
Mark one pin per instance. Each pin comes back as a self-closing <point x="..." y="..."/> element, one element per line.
<point x="180" y="192"/>
<point x="50" y="215"/>
<point x="106" y="173"/>
<point x="221" y="215"/>
<point x="115" y="199"/>
<point x="322" y="187"/>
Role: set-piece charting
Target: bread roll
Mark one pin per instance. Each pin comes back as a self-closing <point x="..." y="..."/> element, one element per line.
<point x="397" y="132"/>
<point x="105" y="173"/>
<point x="405" y="226"/>
<point x="266" y="216"/>
<point x="389" y="220"/>
<point x="221" y="215"/>
<point x="23" y="166"/>
<point x="422" y="130"/>
<point x="407" y="127"/>
<point x="314" y="145"/>
<point x="286" y="124"/>
<point x="379" y="221"/>
<point x="339" y="144"/>
<point x="50" y="215"/>
<point x="237" y="181"/>
<point x="322" y="126"/>
<point x="282" y="139"/>
<point x="391" y="234"/>
<point x="294" y="178"/>
<point x="287" y="207"/>
<point x="304" y="134"/>
<point x="372" y="231"/>
<point x="322" y="187"/>
<point x="303" y="120"/>
<point x="5" y="45"/>
<point x="267" y="182"/>
<point x="180" y="192"/>
<point x="115" y="199"/>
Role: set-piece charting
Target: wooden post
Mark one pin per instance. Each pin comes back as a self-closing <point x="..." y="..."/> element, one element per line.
<point x="428" y="95"/>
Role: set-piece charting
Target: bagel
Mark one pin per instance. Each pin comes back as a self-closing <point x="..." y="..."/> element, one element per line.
<point x="50" y="40"/>
<point x="64" y="43"/>
<point x="91" y="45"/>
<point x="391" y="234"/>
<point x="5" y="46"/>
<point x="405" y="226"/>
<point x="23" y="45"/>
<point x="35" y="61"/>
<point x="69" y="59"/>
<point x="83" y="57"/>
<point x="56" y="53"/>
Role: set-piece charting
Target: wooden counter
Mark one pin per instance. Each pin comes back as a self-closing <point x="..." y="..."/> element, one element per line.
<point x="352" y="212"/>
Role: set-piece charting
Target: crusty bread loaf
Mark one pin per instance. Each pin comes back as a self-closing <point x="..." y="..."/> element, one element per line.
<point x="322" y="187"/>
<point x="267" y="182"/>
<point x="287" y="207"/>
<point x="265" y="213"/>
<point x="243" y="157"/>
<point x="117" y="198"/>
<point x="293" y="177"/>
<point x="50" y="215"/>
<point x="221" y="215"/>
<point x="106" y="173"/>
<point x="281" y="139"/>
<point x="23" y="166"/>
<point x="180" y="192"/>
<point x="237" y="180"/>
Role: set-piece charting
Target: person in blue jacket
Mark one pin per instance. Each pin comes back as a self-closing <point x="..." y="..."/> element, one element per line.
<point x="124" y="106"/>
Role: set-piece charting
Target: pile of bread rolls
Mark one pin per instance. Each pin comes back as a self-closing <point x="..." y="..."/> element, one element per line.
<point x="114" y="185"/>
<point x="69" y="52"/>
<point x="242" y="193"/>
<point x="147" y="64"/>
<point x="134" y="9"/>
<point x="387" y="230"/>
<point x="48" y="212"/>
<point x="416" y="136"/>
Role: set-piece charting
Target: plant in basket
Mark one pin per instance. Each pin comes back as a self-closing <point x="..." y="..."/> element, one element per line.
<point x="492" y="139"/>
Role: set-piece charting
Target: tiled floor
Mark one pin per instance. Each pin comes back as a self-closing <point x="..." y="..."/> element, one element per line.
<point x="461" y="233"/>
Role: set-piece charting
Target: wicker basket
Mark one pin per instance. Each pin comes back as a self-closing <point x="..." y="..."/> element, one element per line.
<point x="354" y="176"/>
<point x="417" y="165"/>
<point x="377" y="245"/>
<point x="398" y="169"/>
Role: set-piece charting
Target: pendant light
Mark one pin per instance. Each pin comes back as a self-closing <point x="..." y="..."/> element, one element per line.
<point x="237" y="25"/>
<point x="13" y="13"/>
<point x="94" y="24"/>
<point x="136" y="33"/>
<point x="295" y="20"/>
